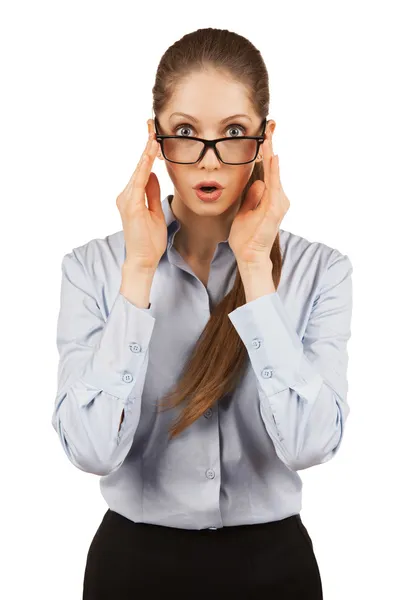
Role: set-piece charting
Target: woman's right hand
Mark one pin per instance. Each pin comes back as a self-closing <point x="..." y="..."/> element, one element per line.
<point x="145" y="229"/>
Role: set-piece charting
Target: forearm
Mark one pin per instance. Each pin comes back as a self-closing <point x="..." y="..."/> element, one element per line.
<point x="136" y="285"/>
<point x="95" y="351"/>
<point x="301" y="372"/>
<point x="257" y="280"/>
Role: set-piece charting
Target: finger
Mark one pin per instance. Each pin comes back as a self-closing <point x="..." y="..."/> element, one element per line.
<point x="153" y="193"/>
<point x="141" y="179"/>
<point x="254" y="197"/>
<point x="153" y="133"/>
<point x="142" y="159"/>
<point x="145" y="165"/>
<point x="150" y="138"/>
<point x="150" y="126"/>
<point x="267" y="154"/>
<point x="275" y="174"/>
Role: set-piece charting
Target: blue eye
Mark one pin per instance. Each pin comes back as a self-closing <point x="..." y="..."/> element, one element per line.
<point x="187" y="126"/>
<point x="181" y="127"/>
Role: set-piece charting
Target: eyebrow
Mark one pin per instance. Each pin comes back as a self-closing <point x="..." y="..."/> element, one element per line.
<point x="222" y="120"/>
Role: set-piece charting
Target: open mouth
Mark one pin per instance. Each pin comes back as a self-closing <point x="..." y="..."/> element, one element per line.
<point x="208" y="189"/>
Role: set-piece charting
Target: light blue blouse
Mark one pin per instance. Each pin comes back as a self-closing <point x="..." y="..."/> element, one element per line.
<point x="238" y="463"/>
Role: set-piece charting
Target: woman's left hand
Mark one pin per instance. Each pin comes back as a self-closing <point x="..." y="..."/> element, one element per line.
<point x="257" y="222"/>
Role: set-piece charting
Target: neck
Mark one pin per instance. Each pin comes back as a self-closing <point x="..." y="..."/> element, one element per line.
<point x="199" y="236"/>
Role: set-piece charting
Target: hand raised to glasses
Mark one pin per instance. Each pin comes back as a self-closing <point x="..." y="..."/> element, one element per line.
<point x="257" y="222"/>
<point x="145" y="229"/>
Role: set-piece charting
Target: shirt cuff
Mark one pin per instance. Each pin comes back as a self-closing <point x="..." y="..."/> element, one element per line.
<point x="118" y="359"/>
<point x="275" y="350"/>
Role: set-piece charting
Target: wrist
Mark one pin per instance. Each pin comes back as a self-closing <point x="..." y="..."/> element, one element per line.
<point x="257" y="280"/>
<point x="130" y="270"/>
<point x="262" y="266"/>
<point x="136" y="285"/>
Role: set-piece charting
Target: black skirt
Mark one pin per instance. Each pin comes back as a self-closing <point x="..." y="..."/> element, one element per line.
<point x="269" y="560"/>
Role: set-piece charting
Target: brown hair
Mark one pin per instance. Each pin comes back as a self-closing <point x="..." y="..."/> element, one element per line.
<point x="219" y="357"/>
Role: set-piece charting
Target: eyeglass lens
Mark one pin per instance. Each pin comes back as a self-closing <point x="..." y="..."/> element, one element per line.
<point x="233" y="150"/>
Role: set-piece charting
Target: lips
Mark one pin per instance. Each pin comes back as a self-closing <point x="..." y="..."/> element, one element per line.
<point x="208" y="184"/>
<point x="208" y="196"/>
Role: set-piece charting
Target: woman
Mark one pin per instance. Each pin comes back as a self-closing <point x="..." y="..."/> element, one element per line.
<point x="183" y="305"/>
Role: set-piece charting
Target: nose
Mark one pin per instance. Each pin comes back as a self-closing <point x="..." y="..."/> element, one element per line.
<point x="210" y="158"/>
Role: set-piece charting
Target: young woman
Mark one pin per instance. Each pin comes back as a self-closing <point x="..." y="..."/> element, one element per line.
<point x="239" y="328"/>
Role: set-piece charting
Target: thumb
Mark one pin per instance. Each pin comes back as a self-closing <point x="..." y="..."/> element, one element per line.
<point x="153" y="193"/>
<point x="253" y="196"/>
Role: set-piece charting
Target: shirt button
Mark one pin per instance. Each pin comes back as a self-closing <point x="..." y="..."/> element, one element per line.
<point x="210" y="474"/>
<point x="208" y="413"/>
<point x="256" y="343"/>
<point x="134" y="347"/>
<point x="127" y="377"/>
<point x="266" y="373"/>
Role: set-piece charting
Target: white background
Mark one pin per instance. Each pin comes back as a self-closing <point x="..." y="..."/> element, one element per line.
<point x="76" y="83"/>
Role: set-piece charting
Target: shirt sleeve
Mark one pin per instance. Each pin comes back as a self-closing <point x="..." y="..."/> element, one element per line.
<point x="101" y="371"/>
<point x="302" y="383"/>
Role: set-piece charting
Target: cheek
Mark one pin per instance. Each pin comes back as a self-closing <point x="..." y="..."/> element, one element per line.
<point x="242" y="174"/>
<point x="176" y="172"/>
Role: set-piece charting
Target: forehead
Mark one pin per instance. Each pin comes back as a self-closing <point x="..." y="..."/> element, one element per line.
<point x="210" y="98"/>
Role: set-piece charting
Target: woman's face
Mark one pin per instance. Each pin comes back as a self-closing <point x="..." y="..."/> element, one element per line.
<point x="210" y="98"/>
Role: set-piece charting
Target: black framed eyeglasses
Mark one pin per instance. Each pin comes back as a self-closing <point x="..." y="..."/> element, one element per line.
<point x="185" y="150"/>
